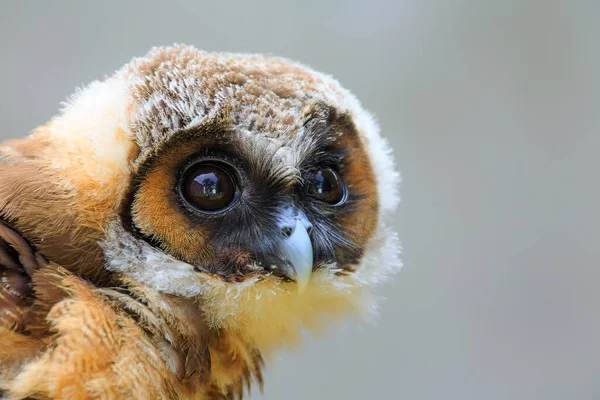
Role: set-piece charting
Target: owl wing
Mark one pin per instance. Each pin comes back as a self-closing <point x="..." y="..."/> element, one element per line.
<point x="18" y="262"/>
<point x="58" y="332"/>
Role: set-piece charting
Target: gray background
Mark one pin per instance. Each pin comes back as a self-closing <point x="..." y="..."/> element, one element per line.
<point x="493" y="112"/>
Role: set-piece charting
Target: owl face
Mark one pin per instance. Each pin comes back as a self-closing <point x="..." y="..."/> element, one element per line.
<point x="236" y="203"/>
<point x="253" y="186"/>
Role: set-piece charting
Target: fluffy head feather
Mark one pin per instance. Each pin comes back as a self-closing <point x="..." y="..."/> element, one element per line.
<point x="267" y="101"/>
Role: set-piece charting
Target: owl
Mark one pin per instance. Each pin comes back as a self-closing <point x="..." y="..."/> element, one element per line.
<point x="179" y="222"/>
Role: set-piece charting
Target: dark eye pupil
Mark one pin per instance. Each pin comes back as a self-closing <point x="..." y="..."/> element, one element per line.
<point x="208" y="188"/>
<point x="328" y="187"/>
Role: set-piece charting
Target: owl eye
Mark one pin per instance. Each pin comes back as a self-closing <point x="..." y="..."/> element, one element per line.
<point x="327" y="186"/>
<point x="209" y="187"/>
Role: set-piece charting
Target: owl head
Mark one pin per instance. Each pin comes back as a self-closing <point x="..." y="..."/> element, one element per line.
<point x="252" y="186"/>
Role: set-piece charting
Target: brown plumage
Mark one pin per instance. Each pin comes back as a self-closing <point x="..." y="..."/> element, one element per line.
<point x="115" y="283"/>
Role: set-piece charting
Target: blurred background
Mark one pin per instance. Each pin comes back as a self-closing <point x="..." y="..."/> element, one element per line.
<point x="493" y="110"/>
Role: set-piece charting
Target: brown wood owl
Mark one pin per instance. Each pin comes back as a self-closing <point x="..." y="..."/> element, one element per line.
<point x="182" y="219"/>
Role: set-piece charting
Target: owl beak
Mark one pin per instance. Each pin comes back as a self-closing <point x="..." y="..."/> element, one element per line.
<point x="295" y="248"/>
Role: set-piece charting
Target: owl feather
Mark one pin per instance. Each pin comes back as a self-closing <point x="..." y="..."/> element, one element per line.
<point x="182" y="220"/>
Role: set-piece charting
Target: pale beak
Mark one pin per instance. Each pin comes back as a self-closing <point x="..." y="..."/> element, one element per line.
<point x="297" y="251"/>
<point x="295" y="248"/>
